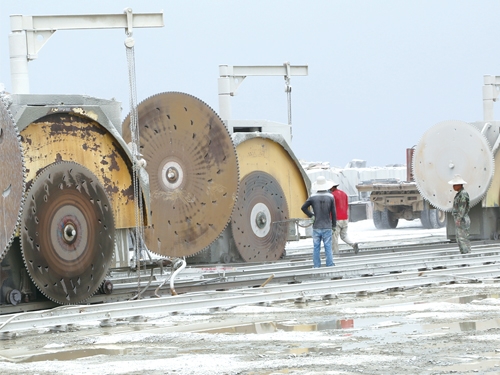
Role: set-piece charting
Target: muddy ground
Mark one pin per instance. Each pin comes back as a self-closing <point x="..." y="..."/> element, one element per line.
<point x="445" y="329"/>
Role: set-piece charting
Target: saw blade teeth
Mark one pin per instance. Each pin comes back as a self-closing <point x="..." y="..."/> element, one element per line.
<point x="449" y="148"/>
<point x="13" y="173"/>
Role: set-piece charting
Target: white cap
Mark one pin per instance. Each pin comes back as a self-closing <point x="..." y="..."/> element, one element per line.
<point x="457" y="180"/>
<point x="322" y="184"/>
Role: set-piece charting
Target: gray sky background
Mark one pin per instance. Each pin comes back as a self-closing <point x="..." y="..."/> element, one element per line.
<point x="380" y="72"/>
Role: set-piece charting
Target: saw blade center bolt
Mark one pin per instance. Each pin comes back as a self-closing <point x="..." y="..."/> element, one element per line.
<point x="261" y="220"/>
<point x="69" y="233"/>
<point x="172" y="175"/>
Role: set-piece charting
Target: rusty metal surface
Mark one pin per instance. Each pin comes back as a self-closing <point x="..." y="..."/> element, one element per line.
<point x="12" y="178"/>
<point x="258" y="223"/>
<point x="67" y="233"/>
<point x="73" y="137"/>
<point x="193" y="172"/>
<point x="261" y="152"/>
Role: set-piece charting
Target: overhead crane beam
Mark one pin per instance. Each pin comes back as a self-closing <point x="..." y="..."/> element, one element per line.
<point x="30" y="33"/>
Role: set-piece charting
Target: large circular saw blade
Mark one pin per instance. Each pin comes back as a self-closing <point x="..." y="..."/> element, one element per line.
<point x="193" y="172"/>
<point x="12" y="177"/>
<point x="447" y="149"/>
<point x="259" y="222"/>
<point x="67" y="233"/>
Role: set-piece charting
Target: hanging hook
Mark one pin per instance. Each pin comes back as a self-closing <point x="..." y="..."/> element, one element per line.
<point x="129" y="41"/>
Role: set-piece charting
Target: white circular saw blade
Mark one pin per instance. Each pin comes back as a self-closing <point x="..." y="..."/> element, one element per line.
<point x="445" y="150"/>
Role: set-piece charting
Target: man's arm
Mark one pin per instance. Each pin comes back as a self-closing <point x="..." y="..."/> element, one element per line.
<point x="334" y="214"/>
<point x="305" y="209"/>
<point x="463" y="204"/>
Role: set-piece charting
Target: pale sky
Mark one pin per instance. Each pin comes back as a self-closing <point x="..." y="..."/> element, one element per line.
<point x="380" y="72"/>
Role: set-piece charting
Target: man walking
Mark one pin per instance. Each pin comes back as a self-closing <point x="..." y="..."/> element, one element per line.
<point x="460" y="213"/>
<point x="342" y="208"/>
<point x="324" y="219"/>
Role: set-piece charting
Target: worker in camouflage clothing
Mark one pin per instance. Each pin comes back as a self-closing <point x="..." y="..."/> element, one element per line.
<point x="460" y="213"/>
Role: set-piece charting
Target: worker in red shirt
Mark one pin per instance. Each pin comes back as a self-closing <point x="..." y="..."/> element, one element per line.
<point x="342" y="209"/>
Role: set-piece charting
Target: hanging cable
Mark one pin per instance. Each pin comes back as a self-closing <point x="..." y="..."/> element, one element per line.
<point x="136" y="156"/>
<point x="288" y="90"/>
<point x="289" y="100"/>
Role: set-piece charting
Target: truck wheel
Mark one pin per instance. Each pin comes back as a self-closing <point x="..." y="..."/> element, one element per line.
<point x="388" y="219"/>
<point x="425" y="218"/>
<point x="377" y="219"/>
<point x="437" y="218"/>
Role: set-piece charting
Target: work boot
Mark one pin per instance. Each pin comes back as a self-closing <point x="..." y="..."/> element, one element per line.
<point x="356" y="248"/>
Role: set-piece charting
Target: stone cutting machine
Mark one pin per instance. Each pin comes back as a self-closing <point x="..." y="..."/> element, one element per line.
<point x="67" y="186"/>
<point x="204" y="169"/>
<point x="74" y="177"/>
<point x="470" y="150"/>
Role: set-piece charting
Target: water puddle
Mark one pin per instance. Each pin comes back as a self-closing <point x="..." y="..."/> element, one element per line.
<point x="479" y="325"/>
<point x="397" y="325"/>
<point x="69" y="355"/>
<point x="385" y="329"/>
<point x="271" y="327"/>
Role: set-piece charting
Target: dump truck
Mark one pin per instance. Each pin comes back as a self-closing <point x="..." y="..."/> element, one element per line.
<point x="394" y="200"/>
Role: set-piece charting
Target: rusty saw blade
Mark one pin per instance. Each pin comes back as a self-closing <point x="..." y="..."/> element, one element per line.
<point x="193" y="172"/>
<point x="67" y="233"/>
<point x="260" y="220"/>
<point x="12" y="177"/>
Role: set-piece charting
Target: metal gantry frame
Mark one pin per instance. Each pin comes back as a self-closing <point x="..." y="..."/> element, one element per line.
<point x="30" y="33"/>
<point x="232" y="76"/>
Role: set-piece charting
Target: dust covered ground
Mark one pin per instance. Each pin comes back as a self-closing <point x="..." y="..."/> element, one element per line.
<point x="442" y="329"/>
<point x="436" y="330"/>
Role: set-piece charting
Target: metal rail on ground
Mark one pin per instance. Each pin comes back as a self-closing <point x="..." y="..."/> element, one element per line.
<point x="223" y="299"/>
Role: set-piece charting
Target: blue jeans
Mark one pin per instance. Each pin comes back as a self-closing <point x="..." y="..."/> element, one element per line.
<point x="325" y="235"/>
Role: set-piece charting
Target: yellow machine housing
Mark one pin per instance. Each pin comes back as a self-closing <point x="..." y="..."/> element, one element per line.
<point x="85" y="134"/>
<point x="271" y="154"/>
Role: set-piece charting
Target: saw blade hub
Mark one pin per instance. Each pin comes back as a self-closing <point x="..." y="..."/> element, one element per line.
<point x="68" y="225"/>
<point x="260" y="219"/>
<point x="172" y="175"/>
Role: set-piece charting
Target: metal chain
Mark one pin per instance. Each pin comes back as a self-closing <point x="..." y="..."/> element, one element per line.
<point x="288" y="90"/>
<point x="135" y="140"/>
<point x="289" y="98"/>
